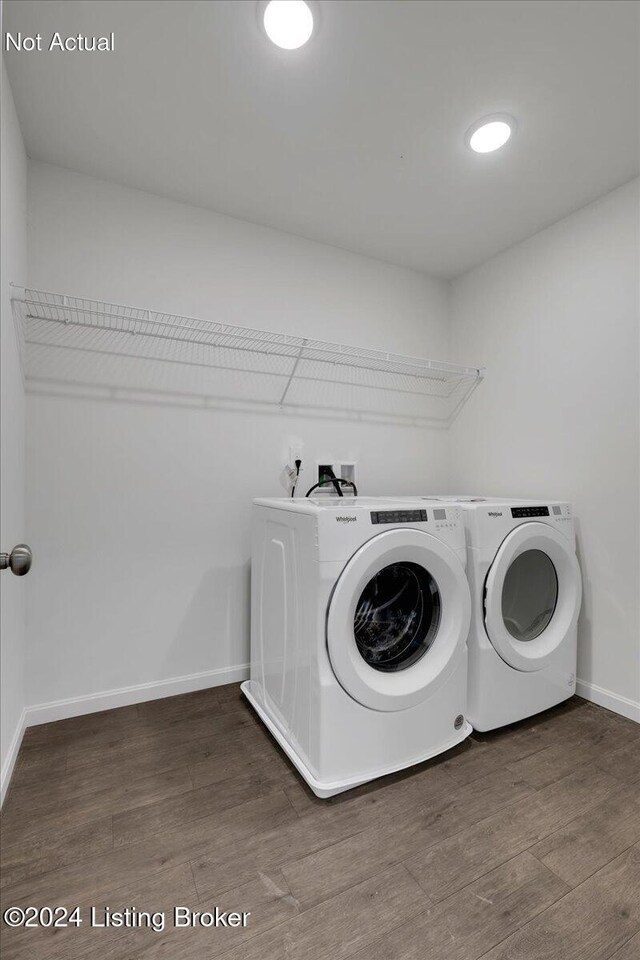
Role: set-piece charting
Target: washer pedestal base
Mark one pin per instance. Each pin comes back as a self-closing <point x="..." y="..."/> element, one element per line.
<point x="325" y="789"/>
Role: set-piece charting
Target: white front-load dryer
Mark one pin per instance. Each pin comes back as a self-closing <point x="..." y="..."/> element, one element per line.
<point x="526" y="591"/>
<point x="360" y="611"/>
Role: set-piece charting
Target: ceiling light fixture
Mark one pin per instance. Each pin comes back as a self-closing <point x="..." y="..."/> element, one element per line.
<point x="288" y="23"/>
<point x="490" y="133"/>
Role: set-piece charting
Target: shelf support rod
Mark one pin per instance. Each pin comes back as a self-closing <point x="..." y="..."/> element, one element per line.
<point x="293" y="372"/>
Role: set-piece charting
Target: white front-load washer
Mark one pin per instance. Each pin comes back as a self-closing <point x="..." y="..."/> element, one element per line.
<point x="360" y="611"/>
<point x="526" y="591"/>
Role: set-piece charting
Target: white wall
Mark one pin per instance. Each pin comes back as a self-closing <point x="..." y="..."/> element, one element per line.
<point x="555" y="320"/>
<point x="139" y="513"/>
<point x="12" y="418"/>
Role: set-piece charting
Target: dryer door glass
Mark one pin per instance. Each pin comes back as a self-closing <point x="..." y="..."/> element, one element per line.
<point x="397" y="616"/>
<point x="529" y="595"/>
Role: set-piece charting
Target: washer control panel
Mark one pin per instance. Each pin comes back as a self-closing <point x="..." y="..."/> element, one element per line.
<point x="517" y="512"/>
<point x="398" y="516"/>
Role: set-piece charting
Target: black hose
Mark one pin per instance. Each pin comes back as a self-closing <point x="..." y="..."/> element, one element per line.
<point x="334" y="481"/>
<point x="295" y="482"/>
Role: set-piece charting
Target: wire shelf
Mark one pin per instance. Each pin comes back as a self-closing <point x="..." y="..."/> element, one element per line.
<point x="92" y="345"/>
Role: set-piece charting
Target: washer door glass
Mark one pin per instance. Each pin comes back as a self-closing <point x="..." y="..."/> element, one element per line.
<point x="529" y="595"/>
<point x="398" y="620"/>
<point x="397" y="616"/>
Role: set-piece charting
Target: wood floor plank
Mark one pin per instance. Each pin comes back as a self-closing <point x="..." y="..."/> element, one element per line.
<point x="340" y="927"/>
<point x="532" y="734"/>
<point x="145" y="760"/>
<point x="48" y="795"/>
<point x="589" y="724"/>
<point x="238" y="863"/>
<point x="267" y="899"/>
<point x="130" y="722"/>
<point x="591" y="922"/>
<point x="471" y="761"/>
<point x="24" y="857"/>
<point x="160" y="892"/>
<point x="209" y="836"/>
<point x="461" y="857"/>
<point x="234" y="702"/>
<point x="589" y="842"/>
<point x="603" y="729"/>
<point x="493" y="750"/>
<point x="455" y="862"/>
<point x="581" y="737"/>
<point x="38" y="764"/>
<point x="117" y="747"/>
<point x="331" y="869"/>
<point x="553" y="762"/>
<point x="29" y="813"/>
<point x="628" y="951"/>
<point x="182" y="706"/>
<point x="483" y="797"/>
<point x="133" y="826"/>
<point x="233" y="762"/>
<point x="518" y="740"/>
<point x="83" y="728"/>
<point x="623" y="763"/>
<point x="327" y="871"/>
<point x="319" y="827"/>
<point x="601" y="715"/>
<point x="476" y="918"/>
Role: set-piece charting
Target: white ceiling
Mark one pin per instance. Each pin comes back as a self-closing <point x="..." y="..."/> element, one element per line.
<point x="356" y="139"/>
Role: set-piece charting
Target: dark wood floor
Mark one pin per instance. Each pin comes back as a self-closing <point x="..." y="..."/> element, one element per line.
<point x="518" y="845"/>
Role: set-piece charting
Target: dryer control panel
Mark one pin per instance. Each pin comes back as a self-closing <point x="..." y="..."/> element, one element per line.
<point x="398" y="516"/>
<point x="517" y="512"/>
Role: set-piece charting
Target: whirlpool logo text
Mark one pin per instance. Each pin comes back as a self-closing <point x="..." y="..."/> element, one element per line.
<point x="345" y="519"/>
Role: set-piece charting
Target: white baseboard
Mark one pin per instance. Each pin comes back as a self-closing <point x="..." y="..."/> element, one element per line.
<point x="140" y="693"/>
<point x="12" y="755"/>
<point x="611" y="701"/>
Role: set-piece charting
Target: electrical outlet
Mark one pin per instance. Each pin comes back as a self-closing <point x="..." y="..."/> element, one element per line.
<point x="296" y="451"/>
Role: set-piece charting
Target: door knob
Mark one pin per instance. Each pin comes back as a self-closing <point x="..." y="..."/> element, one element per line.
<point x="19" y="560"/>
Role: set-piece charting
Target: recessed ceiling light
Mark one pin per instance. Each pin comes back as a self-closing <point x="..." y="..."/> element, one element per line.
<point x="288" y="23"/>
<point x="490" y="133"/>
